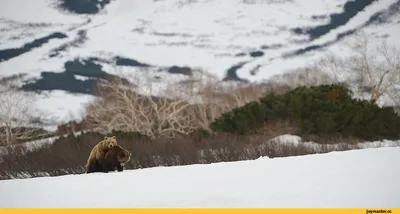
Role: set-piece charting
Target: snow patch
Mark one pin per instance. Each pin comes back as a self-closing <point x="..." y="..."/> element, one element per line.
<point x="333" y="180"/>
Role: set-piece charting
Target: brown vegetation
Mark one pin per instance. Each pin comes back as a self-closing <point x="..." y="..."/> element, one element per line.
<point x="182" y="108"/>
<point x="68" y="155"/>
<point x="17" y="120"/>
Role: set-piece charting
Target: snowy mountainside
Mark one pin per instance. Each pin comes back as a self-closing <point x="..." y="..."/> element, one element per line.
<point x="350" y="179"/>
<point x="63" y="51"/>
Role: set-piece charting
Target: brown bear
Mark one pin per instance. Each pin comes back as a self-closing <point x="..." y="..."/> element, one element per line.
<point x="115" y="158"/>
<point x="98" y="152"/>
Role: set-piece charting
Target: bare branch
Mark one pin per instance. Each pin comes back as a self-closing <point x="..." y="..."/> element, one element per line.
<point x="180" y="107"/>
<point x="376" y="65"/>
<point x="16" y="114"/>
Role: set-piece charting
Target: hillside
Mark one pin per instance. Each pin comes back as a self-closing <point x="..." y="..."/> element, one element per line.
<point x="221" y="103"/>
<point x="350" y="179"/>
<point x="61" y="47"/>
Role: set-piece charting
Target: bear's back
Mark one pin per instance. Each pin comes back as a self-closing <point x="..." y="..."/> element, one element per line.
<point x="111" y="155"/>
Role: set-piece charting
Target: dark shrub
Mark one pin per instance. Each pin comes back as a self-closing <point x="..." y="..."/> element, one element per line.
<point x="326" y="110"/>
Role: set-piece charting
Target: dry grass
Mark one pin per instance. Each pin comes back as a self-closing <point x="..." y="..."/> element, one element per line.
<point x="68" y="155"/>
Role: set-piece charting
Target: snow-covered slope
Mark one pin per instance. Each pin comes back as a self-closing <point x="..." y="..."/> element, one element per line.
<point x="351" y="179"/>
<point x="233" y="39"/>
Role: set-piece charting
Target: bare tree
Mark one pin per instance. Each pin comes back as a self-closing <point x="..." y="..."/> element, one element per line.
<point x="326" y="70"/>
<point x="179" y="107"/>
<point x="16" y="114"/>
<point x="122" y="108"/>
<point x="370" y="68"/>
<point x="212" y="97"/>
<point x="377" y="66"/>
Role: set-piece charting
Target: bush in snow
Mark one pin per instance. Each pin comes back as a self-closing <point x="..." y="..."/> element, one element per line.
<point x="325" y="110"/>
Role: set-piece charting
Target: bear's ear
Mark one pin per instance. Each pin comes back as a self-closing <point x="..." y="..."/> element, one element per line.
<point x="105" y="138"/>
<point x="113" y="137"/>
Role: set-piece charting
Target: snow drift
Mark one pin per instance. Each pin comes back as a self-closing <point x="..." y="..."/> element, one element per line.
<point x="351" y="179"/>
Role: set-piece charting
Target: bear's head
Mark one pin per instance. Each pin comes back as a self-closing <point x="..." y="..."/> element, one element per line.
<point x="110" y="141"/>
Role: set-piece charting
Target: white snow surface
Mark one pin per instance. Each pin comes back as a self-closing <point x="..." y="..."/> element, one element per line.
<point x="176" y="32"/>
<point x="296" y="141"/>
<point x="351" y="179"/>
<point x="64" y="106"/>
